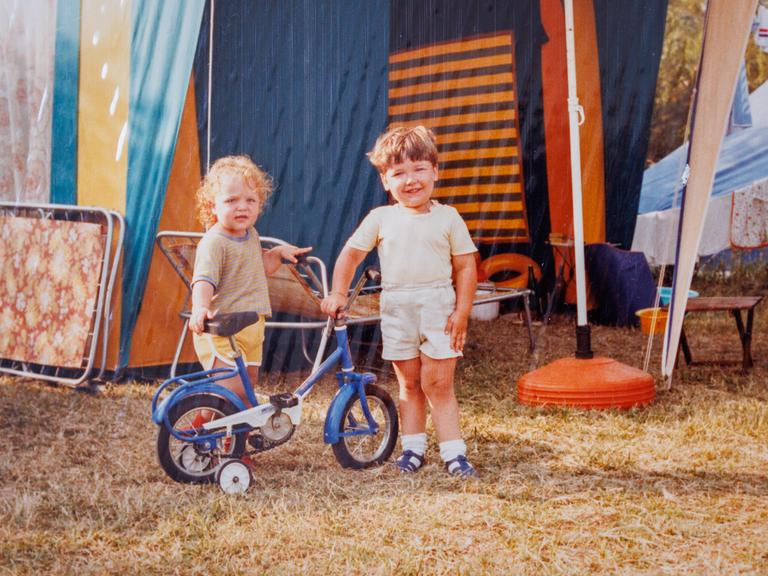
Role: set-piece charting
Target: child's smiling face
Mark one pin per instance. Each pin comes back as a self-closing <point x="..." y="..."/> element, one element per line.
<point x="236" y="206"/>
<point x="411" y="182"/>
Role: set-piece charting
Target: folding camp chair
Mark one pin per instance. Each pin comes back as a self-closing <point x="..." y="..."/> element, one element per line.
<point x="87" y="235"/>
<point x="297" y="290"/>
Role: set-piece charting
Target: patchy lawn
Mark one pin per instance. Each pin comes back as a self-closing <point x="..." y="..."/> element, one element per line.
<point x="678" y="487"/>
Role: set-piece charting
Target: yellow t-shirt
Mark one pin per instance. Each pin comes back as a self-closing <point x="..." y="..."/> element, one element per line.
<point x="235" y="268"/>
<point x="414" y="249"/>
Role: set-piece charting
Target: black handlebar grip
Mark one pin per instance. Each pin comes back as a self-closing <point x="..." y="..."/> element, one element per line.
<point x="300" y="259"/>
<point x="373" y="273"/>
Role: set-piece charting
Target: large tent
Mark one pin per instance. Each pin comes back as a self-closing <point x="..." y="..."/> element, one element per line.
<point x="142" y="94"/>
<point x="740" y="165"/>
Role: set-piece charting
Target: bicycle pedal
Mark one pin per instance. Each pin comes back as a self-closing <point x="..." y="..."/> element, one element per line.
<point x="283" y="400"/>
<point x="256" y="442"/>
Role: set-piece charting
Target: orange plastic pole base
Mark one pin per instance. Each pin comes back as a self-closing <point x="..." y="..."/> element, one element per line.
<point x="589" y="383"/>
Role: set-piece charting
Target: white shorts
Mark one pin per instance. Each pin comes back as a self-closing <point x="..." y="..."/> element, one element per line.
<point x="413" y="322"/>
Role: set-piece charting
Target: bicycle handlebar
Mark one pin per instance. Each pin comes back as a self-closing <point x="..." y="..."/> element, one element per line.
<point x="370" y="273"/>
<point x="227" y="324"/>
<point x="300" y="259"/>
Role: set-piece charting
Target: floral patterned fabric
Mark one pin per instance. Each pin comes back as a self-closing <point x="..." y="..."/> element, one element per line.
<point x="749" y="216"/>
<point x="49" y="278"/>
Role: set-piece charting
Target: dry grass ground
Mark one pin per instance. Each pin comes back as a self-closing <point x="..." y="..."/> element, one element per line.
<point x="679" y="487"/>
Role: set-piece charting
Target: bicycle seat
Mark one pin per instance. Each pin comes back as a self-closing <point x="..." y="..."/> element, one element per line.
<point x="228" y="324"/>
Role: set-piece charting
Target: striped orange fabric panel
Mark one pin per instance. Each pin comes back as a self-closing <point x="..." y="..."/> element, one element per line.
<point x="465" y="92"/>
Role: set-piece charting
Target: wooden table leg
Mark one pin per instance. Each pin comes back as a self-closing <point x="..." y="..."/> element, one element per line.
<point x="684" y="345"/>
<point x="748" y="336"/>
<point x="745" y="335"/>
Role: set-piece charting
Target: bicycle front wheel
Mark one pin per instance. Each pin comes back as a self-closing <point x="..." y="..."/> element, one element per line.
<point x="367" y="449"/>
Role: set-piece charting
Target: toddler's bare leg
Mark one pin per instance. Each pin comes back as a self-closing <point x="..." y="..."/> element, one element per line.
<point x="235" y="384"/>
<point x="437" y="384"/>
<point x="253" y="374"/>
<point x="413" y="407"/>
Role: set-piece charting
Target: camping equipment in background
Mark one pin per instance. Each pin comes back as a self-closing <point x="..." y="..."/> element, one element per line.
<point x="740" y="165"/>
<point x="301" y="87"/>
<point x="49" y="279"/>
<point x="726" y="31"/>
<point x="592" y="164"/>
<point x="510" y="270"/>
<point x="583" y="380"/>
<point x="620" y="282"/>
<point x="665" y="295"/>
<point x="57" y="268"/>
<point x="465" y="91"/>
<point x="652" y="320"/>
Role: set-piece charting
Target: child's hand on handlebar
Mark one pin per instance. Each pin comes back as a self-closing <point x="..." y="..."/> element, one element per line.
<point x="198" y="317"/>
<point x="291" y="253"/>
<point x="332" y="303"/>
<point x="275" y="257"/>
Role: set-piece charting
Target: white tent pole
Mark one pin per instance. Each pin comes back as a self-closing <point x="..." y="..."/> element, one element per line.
<point x="575" y="119"/>
<point x="210" y="89"/>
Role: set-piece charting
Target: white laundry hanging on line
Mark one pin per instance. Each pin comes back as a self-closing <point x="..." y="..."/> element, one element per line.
<point x="656" y="232"/>
<point x="749" y="216"/>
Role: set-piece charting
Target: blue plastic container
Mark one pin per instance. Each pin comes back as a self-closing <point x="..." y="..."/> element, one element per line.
<point x="665" y="295"/>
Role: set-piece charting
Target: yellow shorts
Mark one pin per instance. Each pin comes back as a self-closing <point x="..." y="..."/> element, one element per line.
<point x="250" y="341"/>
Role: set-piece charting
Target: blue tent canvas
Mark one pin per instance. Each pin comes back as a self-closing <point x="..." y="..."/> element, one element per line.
<point x="741" y="162"/>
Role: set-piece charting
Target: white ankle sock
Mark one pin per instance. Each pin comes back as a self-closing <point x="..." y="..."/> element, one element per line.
<point x="452" y="448"/>
<point x="416" y="443"/>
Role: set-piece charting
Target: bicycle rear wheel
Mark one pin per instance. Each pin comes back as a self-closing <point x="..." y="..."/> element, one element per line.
<point x="367" y="449"/>
<point x="190" y="461"/>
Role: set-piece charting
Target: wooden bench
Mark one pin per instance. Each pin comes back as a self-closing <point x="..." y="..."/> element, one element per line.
<point x="734" y="305"/>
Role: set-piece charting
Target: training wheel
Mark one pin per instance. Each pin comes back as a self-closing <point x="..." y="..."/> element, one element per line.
<point x="192" y="461"/>
<point x="233" y="477"/>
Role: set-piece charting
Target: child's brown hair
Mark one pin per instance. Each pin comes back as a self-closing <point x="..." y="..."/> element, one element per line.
<point x="253" y="176"/>
<point x="401" y="143"/>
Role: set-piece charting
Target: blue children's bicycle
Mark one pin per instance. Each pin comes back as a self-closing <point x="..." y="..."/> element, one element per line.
<point x="208" y="434"/>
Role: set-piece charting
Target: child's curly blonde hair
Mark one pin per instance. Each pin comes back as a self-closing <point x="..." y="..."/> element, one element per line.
<point x="253" y="176"/>
<point x="401" y="143"/>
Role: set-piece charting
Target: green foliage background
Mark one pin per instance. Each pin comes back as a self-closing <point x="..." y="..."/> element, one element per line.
<point x="679" y="62"/>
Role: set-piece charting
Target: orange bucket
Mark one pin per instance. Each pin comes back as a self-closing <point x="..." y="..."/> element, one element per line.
<point x="646" y="318"/>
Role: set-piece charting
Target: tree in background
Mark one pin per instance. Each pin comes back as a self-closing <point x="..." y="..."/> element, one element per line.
<point x="757" y="62"/>
<point x="677" y="74"/>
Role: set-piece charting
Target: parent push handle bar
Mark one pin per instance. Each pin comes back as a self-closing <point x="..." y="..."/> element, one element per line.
<point x="370" y="273"/>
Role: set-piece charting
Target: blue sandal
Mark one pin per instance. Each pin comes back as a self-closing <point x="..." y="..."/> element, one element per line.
<point x="409" y="462"/>
<point x="460" y="466"/>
